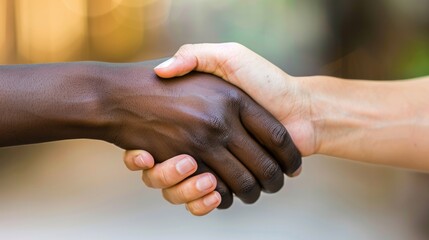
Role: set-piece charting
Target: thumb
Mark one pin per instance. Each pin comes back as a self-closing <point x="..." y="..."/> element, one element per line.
<point x="199" y="57"/>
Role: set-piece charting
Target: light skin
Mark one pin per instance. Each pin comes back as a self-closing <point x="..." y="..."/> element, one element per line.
<point x="380" y="122"/>
<point x="229" y="135"/>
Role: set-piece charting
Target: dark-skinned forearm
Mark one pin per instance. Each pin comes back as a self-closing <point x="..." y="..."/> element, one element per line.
<point x="48" y="102"/>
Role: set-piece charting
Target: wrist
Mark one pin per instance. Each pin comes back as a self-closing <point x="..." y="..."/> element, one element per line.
<point x="124" y="88"/>
<point x="338" y="114"/>
<point x="104" y="119"/>
<point x="319" y="101"/>
<point x="351" y="117"/>
<point x="295" y="112"/>
<point x="110" y="90"/>
<point x="85" y="108"/>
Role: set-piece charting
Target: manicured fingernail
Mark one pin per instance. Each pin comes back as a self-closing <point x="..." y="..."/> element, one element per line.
<point x="212" y="199"/>
<point x="140" y="161"/>
<point x="166" y="63"/>
<point x="205" y="182"/>
<point x="185" y="166"/>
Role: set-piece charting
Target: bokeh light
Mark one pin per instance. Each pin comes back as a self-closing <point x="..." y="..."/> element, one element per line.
<point x="48" y="31"/>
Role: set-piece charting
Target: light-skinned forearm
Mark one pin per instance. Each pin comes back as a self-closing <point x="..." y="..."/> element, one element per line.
<point x="385" y="122"/>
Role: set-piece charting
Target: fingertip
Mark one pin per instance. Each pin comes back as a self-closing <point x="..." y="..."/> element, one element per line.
<point x="133" y="161"/>
<point x="226" y="197"/>
<point x="186" y="165"/>
<point x="173" y="67"/>
<point x="165" y="69"/>
<point x="183" y="62"/>
<point x="170" y="172"/>
<point x="215" y="201"/>
<point x="166" y="64"/>
<point x="164" y="72"/>
<point x="295" y="162"/>
<point x="297" y="172"/>
<point x="143" y="160"/>
<point x="213" y="179"/>
<point x="204" y="205"/>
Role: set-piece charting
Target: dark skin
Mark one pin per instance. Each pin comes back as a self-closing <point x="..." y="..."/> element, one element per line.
<point x="229" y="135"/>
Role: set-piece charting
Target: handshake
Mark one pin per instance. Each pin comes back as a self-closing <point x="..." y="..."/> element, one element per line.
<point x="212" y="138"/>
<point x="216" y="136"/>
<point x="227" y="142"/>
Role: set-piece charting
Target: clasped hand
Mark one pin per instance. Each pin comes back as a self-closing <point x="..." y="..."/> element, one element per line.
<point x="228" y="134"/>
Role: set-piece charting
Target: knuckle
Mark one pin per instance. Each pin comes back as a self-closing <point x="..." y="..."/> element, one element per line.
<point x="271" y="171"/>
<point x="187" y="52"/>
<point x="234" y="97"/>
<point x="186" y="48"/>
<point x="163" y="177"/>
<point x="200" y="142"/>
<point x="216" y="124"/>
<point x="197" y="209"/>
<point x="248" y="185"/>
<point x="279" y="136"/>
<point x="238" y="141"/>
<point x="226" y="59"/>
<point x="179" y="195"/>
<point x="273" y="178"/>
<point x="172" y="198"/>
<point x="230" y="99"/>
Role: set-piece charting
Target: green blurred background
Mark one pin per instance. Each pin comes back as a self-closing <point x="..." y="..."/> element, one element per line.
<point x="81" y="190"/>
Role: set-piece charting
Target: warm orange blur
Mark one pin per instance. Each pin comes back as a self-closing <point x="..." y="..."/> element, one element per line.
<point x="67" y="30"/>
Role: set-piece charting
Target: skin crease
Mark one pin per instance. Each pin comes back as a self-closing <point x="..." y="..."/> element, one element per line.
<point x="382" y="122"/>
<point x="228" y="134"/>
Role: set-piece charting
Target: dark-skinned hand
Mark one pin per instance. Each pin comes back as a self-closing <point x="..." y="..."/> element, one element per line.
<point x="128" y="105"/>
<point x="200" y="115"/>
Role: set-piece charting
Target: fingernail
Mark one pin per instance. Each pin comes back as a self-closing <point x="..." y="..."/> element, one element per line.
<point x="297" y="172"/>
<point x="140" y="161"/>
<point x="166" y="63"/>
<point x="205" y="182"/>
<point x="212" y="199"/>
<point x="185" y="166"/>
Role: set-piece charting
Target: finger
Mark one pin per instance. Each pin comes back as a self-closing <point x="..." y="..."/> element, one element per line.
<point x="265" y="169"/>
<point x="205" y="57"/>
<point x="221" y="188"/>
<point x="238" y="178"/>
<point x="204" y="205"/>
<point x="170" y="172"/>
<point x="190" y="189"/>
<point x="271" y="134"/>
<point x="297" y="172"/>
<point x="138" y="160"/>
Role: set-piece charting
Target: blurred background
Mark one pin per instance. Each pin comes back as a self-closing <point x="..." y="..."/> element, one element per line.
<point x="80" y="189"/>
